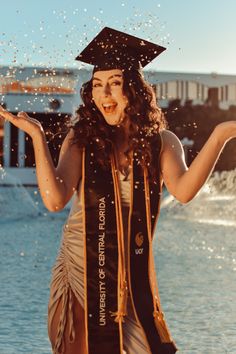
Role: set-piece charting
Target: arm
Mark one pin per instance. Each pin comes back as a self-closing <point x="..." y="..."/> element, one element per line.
<point x="183" y="182"/>
<point x="56" y="185"/>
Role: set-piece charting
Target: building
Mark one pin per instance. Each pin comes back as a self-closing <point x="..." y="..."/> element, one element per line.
<point x="52" y="95"/>
<point x="199" y="88"/>
<point x="48" y="95"/>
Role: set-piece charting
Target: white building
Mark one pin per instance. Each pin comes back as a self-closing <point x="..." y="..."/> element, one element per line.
<point x="46" y="94"/>
<point x="196" y="87"/>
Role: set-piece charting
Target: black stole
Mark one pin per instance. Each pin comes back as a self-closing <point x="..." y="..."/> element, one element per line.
<point x="105" y="277"/>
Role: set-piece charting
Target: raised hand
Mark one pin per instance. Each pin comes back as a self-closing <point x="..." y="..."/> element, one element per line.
<point x="22" y="121"/>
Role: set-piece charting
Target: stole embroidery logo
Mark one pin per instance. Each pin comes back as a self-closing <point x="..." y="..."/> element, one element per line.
<point x="139" y="242"/>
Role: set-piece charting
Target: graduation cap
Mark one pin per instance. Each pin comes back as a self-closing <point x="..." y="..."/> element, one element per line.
<point x="112" y="49"/>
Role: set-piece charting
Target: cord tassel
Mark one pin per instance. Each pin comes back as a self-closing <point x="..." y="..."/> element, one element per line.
<point x="122" y="310"/>
<point x="123" y="289"/>
<point x="161" y="326"/>
<point x="158" y="315"/>
<point x="124" y="298"/>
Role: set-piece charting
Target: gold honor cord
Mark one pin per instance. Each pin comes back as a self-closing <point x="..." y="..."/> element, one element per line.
<point x="122" y="283"/>
<point x="157" y="313"/>
<point x="85" y="251"/>
<point x="159" y="189"/>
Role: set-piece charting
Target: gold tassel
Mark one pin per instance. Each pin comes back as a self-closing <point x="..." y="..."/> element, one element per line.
<point x="161" y="326"/>
<point x="122" y="310"/>
<point x="158" y="315"/>
<point x="123" y="291"/>
<point x="124" y="298"/>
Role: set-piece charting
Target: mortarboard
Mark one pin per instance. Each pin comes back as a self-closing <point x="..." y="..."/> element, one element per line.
<point x="112" y="49"/>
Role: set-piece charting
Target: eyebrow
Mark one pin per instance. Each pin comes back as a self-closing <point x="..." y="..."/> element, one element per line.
<point x="110" y="77"/>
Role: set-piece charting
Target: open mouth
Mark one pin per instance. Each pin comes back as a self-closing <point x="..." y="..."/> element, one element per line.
<point x="109" y="107"/>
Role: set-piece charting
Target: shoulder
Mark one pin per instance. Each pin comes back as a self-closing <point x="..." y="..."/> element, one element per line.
<point x="70" y="139"/>
<point x="69" y="145"/>
<point x="170" y="141"/>
<point x="168" y="136"/>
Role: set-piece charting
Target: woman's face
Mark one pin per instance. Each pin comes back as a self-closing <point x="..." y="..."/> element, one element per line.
<point x="107" y="93"/>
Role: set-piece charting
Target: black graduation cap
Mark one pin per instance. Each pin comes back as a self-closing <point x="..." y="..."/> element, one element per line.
<point x="112" y="49"/>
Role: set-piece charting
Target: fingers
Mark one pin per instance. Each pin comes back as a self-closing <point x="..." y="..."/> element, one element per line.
<point x="22" y="115"/>
<point x="15" y="119"/>
<point x="25" y="116"/>
<point x="7" y="115"/>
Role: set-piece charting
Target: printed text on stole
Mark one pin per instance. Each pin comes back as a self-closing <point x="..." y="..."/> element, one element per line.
<point x="101" y="260"/>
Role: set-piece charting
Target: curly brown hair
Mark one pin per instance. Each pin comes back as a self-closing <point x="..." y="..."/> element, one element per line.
<point x="146" y="120"/>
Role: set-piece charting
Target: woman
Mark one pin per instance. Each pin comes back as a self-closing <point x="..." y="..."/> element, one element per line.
<point x="104" y="295"/>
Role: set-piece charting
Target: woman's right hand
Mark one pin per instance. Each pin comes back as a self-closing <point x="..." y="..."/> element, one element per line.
<point x="22" y="121"/>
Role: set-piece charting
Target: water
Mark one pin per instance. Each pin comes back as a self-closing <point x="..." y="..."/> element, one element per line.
<point x="195" y="255"/>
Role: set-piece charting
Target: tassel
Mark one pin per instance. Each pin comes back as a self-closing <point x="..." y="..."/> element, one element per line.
<point x="161" y="326"/>
<point x="122" y="310"/>
<point x="158" y="315"/>
<point x="119" y="316"/>
<point x="124" y="298"/>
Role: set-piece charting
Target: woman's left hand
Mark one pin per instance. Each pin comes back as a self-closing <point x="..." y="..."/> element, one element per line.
<point x="182" y="182"/>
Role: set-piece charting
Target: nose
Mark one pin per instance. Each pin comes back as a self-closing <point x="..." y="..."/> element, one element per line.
<point x="107" y="89"/>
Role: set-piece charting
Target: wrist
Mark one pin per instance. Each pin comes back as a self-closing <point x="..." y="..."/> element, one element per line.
<point x="220" y="135"/>
<point x="38" y="136"/>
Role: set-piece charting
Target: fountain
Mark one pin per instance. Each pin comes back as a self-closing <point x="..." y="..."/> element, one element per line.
<point x="214" y="204"/>
<point x="16" y="201"/>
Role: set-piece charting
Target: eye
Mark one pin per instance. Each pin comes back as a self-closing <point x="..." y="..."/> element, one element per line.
<point x="96" y="85"/>
<point x="116" y="83"/>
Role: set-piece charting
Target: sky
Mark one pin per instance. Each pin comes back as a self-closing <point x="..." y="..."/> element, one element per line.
<point x="199" y="35"/>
